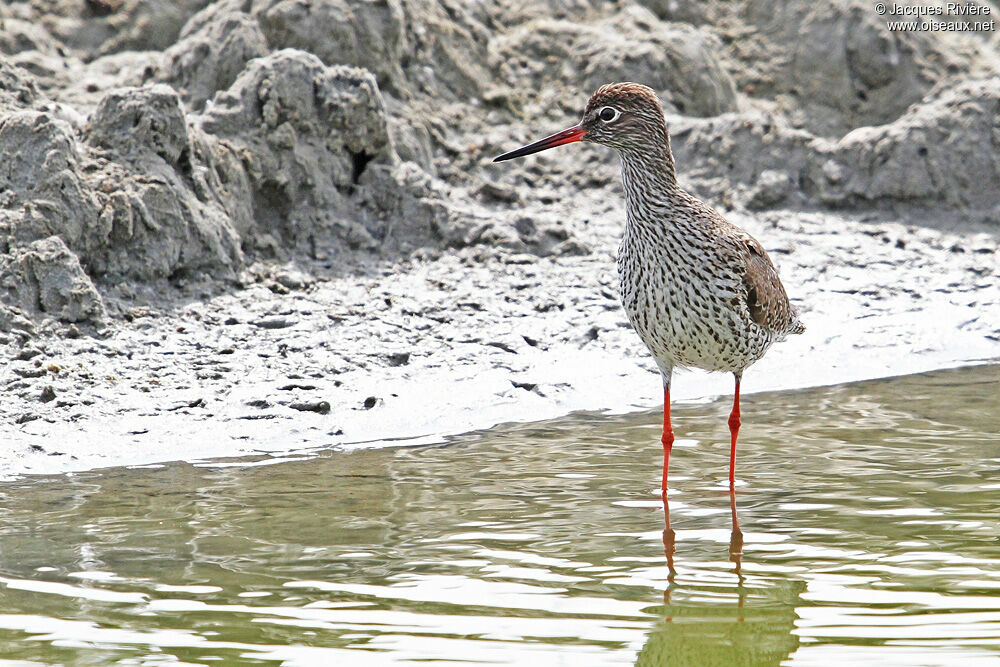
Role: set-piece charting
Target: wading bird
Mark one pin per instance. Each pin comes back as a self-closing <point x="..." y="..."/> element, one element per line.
<point x="698" y="290"/>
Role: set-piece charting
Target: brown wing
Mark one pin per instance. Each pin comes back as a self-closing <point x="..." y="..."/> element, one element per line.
<point x="767" y="301"/>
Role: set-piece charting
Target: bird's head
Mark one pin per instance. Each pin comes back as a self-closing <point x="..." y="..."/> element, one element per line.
<point x="624" y="116"/>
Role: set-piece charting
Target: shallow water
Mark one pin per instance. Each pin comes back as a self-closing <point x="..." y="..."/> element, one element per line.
<point x="869" y="517"/>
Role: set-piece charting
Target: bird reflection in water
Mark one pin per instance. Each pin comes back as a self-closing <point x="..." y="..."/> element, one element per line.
<point x="735" y="548"/>
<point x="699" y="623"/>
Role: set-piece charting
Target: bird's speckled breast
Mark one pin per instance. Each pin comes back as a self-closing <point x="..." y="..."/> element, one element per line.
<point x="685" y="310"/>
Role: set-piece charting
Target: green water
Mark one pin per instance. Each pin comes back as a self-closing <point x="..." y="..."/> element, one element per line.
<point x="869" y="517"/>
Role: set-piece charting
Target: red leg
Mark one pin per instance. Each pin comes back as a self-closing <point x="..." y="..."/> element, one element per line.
<point x="734" y="430"/>
<point x="667" y="439"/>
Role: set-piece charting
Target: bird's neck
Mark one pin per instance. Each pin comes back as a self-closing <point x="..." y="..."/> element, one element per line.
<point x="649" y="178"/>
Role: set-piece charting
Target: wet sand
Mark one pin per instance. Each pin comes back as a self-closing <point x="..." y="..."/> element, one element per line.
<point x="469" y="339"/>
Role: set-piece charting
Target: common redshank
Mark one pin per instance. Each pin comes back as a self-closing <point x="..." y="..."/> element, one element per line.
<point x="700" y="291"/>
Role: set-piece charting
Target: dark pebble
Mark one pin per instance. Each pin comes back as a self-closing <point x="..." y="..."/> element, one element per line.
<point x="196" y="403"/>
<point x="548" y="306"/>
<point x="398" y="358"/>
<point x="322" y="407"/>
<point x="370" y="402"/>
<point x="274" y="323"/>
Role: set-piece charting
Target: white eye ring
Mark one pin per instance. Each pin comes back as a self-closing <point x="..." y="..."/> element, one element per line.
<point x="609" y="118"/>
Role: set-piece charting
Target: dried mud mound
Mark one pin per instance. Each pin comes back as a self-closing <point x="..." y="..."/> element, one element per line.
<point x="941" y="156"/>
<point x="676" y="59"/>
<point x="836" y="66"/>
<point x="156" y="140"/>
<point x="292" y="155"/>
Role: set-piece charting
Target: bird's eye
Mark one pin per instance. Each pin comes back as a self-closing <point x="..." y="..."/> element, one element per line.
<point x="608" y="114"/>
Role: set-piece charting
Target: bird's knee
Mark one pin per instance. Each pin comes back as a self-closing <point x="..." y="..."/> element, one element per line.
<point x="734" y="422"/>
<point x="667" y="439"/>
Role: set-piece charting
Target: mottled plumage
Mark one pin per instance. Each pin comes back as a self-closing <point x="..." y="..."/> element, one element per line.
<point x="698" y="290"/>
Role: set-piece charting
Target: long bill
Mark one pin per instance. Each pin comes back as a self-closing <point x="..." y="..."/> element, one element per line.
<point x="567" y="136"/>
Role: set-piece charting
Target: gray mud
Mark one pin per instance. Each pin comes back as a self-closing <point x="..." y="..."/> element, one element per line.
<point x="268" y="224"/>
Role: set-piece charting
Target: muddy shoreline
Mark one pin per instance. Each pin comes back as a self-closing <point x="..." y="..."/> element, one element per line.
<point x="430" y="347"/>
<point x="278" y="228"/>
